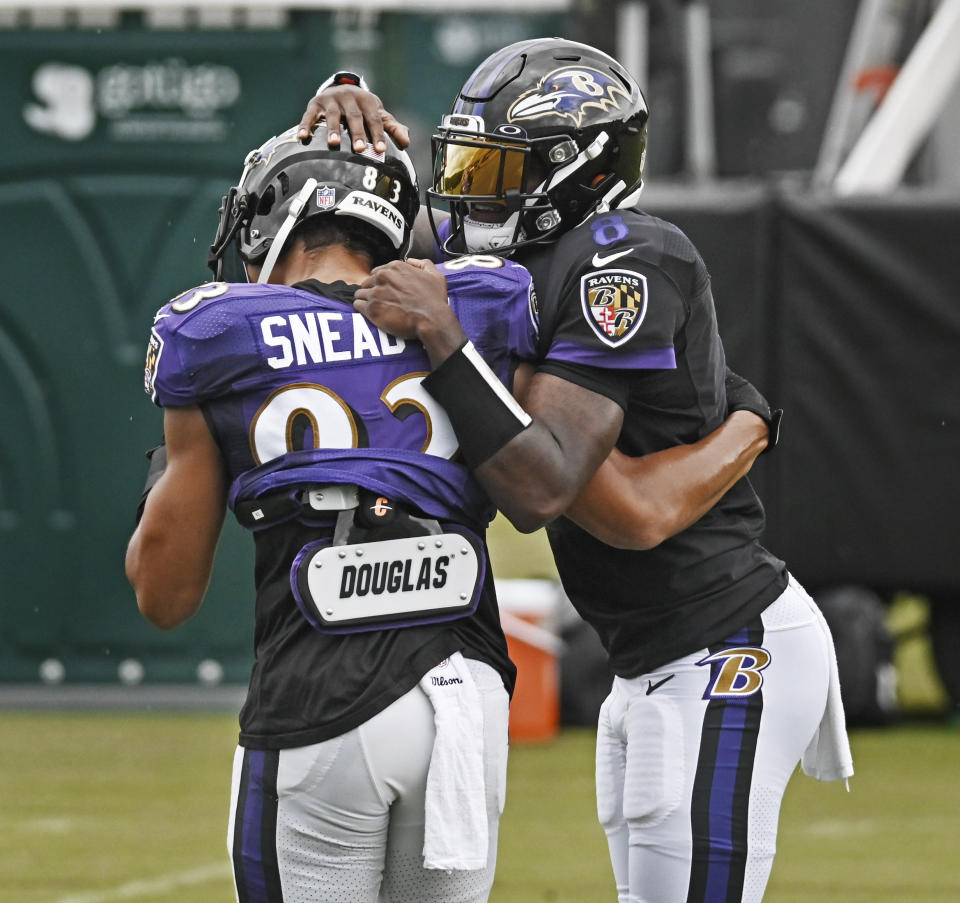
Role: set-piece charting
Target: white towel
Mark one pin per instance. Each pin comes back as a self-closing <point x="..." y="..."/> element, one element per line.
<point x="828" y="756"/>
<point x="455" y="833"/>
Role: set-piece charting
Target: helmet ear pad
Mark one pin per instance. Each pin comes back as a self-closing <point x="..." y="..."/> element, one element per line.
<point x="577" y="195"/>
<point x="588" y="186"/>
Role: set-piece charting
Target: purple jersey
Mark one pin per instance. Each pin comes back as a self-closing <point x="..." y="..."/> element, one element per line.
<point x="300" y="388"/>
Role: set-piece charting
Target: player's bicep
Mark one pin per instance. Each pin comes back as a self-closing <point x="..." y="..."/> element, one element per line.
<point x="620" y="504"/>
<point x="196" y="478"/>
<point x="522" y="375"/>
<point x="535" y="477"/>
<point x="424" y="242"/>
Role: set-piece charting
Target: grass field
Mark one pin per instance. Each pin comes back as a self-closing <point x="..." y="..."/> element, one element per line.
<point x="96" y="808"/>
<point x="124" y="806"/>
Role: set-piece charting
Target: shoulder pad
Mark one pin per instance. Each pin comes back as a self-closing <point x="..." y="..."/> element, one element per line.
<point x="193" y="297"/>
<point x="472" y="262"/>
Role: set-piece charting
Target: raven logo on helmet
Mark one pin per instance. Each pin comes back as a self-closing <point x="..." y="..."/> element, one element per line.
<point x="570" y="93"/>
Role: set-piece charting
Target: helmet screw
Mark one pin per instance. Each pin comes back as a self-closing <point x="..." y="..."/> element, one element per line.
<point x="254" y="233"/>
<point x="560" y="153"/>
<point x="548" y="220"/>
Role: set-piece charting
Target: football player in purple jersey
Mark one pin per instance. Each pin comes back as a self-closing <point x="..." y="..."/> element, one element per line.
<point x="725" y="671"/>
<point x="373" y="739"/>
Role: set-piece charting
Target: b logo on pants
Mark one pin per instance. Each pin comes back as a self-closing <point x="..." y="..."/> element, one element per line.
<point x="736" y="672"/>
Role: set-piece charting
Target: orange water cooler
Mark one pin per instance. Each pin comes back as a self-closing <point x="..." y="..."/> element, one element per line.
<point x="528" y="611"/>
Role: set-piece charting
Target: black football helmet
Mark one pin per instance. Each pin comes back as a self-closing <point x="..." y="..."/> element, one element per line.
<point x="287" y="181"/>
<point x="550" y="129"/>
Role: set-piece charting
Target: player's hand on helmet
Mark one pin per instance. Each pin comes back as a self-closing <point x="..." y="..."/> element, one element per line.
<point x="363" y="113"/>
<point x="409" y="299"/>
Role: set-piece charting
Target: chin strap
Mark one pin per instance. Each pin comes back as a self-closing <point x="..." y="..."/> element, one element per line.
<point x="283" y="233"/>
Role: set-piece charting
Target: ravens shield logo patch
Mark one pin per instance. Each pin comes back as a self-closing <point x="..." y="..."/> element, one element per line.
<point x="614" y="303"/>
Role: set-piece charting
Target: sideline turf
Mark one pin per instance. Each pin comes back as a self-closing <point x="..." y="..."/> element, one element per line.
<point x="106" y="807"/>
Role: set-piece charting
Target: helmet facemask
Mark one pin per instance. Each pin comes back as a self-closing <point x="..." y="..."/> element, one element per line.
<point x="494" y="189"/>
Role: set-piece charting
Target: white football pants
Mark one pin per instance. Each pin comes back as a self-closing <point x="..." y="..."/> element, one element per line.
<point x="693" y="759"/>
<point x="343" y="820"/>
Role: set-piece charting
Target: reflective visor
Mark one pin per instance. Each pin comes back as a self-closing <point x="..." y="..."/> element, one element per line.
<point x="478" y="167"/>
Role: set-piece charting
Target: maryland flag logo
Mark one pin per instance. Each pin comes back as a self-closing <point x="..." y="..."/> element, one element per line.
<point x="614" y="303"/>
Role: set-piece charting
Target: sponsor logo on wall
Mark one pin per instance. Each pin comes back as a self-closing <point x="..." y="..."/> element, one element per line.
<point x="167" y="100"/>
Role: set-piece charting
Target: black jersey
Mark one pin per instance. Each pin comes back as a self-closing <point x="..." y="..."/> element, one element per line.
<point x="625" y="309"/>
<point x="299" y="389"/>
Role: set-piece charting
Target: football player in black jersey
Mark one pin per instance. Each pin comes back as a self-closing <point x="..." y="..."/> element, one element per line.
<point x="375" y="608"/>
<point x="725" y="672"/>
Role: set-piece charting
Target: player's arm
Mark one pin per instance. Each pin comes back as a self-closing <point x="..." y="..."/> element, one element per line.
<point x="170" y="555"/>
<point x="424" y="243"/>
<point x="532" y="465"/>
<point x="637" y="503"/>
<point x="535" y="461"/>
<point x="535" y="474"/>
<point x="563" y="462"/>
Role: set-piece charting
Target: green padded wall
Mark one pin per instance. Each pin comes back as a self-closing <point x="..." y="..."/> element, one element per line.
<point x="117" y="144"/>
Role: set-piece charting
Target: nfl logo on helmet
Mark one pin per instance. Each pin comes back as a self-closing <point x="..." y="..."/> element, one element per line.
<point x="326" y="197"/>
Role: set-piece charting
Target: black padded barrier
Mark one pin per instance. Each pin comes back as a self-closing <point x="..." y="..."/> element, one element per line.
<point x="865" y="346"/>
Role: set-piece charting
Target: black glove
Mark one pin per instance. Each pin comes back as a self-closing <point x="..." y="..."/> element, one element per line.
<point x="157" y="456"/>
<point x="744" y="396"/>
